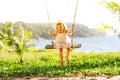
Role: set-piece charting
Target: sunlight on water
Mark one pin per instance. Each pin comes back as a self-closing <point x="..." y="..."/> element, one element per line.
<point x="103" y="43"/>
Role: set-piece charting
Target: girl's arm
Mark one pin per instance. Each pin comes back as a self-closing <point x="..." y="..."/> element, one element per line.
<point x="70" y="32"/>
<point x="53" y="34"/>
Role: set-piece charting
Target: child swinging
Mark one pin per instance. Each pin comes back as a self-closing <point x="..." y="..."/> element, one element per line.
<point x="62" y="40"/>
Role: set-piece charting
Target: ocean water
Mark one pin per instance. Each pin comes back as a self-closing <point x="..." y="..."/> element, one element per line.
<point x="90" y="44"/>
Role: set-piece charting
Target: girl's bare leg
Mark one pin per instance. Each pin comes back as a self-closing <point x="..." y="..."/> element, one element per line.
<point x="61" y="56"/>
<point x="67" y="55"/>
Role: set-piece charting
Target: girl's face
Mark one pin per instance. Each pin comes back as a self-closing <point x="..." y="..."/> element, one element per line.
<point x="59" y="28"/>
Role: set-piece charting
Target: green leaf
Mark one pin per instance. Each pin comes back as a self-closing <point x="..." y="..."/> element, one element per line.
<point x="27" y="36"/>
<point x="1" y="44"/>
<point x="113" y="6"/>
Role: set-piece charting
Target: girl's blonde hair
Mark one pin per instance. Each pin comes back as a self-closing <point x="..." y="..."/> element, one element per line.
<point x="61" y="23"/>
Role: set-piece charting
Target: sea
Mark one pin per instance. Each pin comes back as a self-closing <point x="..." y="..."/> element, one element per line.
<point x="89" y="44"/>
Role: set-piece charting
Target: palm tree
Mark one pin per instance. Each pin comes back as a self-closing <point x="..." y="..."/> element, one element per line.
<point x="6" y="32"/>
<point x="14" y="40"/>
<point x="20" y="41"/>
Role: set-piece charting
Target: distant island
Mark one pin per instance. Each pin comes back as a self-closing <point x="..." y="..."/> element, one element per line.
<point x="41" y="30"/>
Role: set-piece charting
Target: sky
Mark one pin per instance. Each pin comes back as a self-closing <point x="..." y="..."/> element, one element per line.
<point x="89" y="12"/>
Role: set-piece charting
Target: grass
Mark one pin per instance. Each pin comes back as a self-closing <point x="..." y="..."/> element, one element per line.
<point x="46" y="63"/>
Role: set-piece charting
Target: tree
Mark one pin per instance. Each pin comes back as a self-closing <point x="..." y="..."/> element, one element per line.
<point x="115" y="8"/>
<point x="6" y="34"/>
<point x="15" y="40"/>
<point x="20" y="41"/>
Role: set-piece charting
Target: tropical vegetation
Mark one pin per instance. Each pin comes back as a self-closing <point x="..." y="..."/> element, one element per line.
<point x="47" y="63"/>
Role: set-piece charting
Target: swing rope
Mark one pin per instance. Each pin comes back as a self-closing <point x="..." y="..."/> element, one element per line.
<point x="75" y="11"/>
<point x="48" y="20"/>
<point x="47" y="14"/>
<point x="74" y="20"/>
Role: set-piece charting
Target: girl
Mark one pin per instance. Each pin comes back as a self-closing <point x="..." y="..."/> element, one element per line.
<point x="62" y="40"/>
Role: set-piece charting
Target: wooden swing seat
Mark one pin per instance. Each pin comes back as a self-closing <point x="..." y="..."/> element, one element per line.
<point x="51" y="46"/>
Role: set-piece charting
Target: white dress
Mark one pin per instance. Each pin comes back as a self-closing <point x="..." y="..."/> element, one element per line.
<point x="62" y="41"/>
